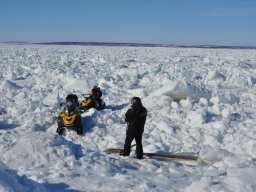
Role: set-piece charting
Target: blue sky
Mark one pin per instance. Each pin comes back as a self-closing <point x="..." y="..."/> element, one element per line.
<point x="183" y="22"/>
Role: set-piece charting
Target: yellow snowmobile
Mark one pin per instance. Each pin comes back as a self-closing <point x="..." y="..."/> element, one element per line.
<point x="70" y="117"/>
<point x="91" y="102"/>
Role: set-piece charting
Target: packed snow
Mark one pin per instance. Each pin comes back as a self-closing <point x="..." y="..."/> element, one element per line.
<point x="200" y="102"/>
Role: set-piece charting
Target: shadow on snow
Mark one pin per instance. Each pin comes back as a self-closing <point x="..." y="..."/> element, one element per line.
<point x="6" y="126"/>
<point x="23" y="183"/>
<point x="116" y="107"/>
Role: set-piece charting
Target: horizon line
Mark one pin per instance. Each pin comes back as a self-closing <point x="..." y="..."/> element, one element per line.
<point x="129" y="44"/>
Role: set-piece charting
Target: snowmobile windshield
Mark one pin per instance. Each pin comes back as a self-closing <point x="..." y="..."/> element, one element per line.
<point x="70" y="107"/>
<point x="69" y="103"/>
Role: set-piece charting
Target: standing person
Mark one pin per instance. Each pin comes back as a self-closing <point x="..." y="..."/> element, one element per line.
<point x="135" y="118"/>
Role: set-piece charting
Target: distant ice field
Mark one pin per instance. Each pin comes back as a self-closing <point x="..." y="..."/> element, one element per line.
<point x="200" y="101"/>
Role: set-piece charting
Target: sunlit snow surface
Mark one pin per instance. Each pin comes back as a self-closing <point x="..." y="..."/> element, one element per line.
<point x="200" y="102"/>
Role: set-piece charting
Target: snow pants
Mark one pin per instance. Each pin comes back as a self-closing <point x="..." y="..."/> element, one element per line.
<point x="128" y="140"/>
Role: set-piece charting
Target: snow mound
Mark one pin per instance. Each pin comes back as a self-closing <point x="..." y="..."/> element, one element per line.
<point x="181" y="90"/>
<point x="211" y="155"/>
<point x="241" y="178"/>
<point x="215" y="75"/>
<point x="52" y="99"/>
<point x="225" y="97"/>
<point x="8" y="85"/>
<point x="11" y="75"/>
<point x="76" y="85"/>
<point x="128" y="74"/>
<point x="10" y="181"/>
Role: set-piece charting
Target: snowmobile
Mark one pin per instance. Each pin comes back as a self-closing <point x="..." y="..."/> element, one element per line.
<point x="90" y="102"/>
<point x="70" y="117"/>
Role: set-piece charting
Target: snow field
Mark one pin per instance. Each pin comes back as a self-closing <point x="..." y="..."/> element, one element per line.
<point x="199" y="102"/>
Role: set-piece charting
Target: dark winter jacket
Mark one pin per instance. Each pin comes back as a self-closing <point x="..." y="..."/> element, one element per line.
<point x="136" y="119"/>
<point x="96" y="94"/>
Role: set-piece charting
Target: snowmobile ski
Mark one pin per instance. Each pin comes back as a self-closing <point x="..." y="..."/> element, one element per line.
<point x="157" y="155"/>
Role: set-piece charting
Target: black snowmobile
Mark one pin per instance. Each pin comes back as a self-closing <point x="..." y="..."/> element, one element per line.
<point x="70" y="117"/>
<point x="90" y="102"/>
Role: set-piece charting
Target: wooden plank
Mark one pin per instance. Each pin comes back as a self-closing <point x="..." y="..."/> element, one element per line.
<point x="109" y="151"/>
<point x="173" y="157"/>
<point x="160" y="156"/>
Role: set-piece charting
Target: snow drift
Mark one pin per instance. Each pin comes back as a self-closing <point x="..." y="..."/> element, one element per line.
<point x="200" y="102"/>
